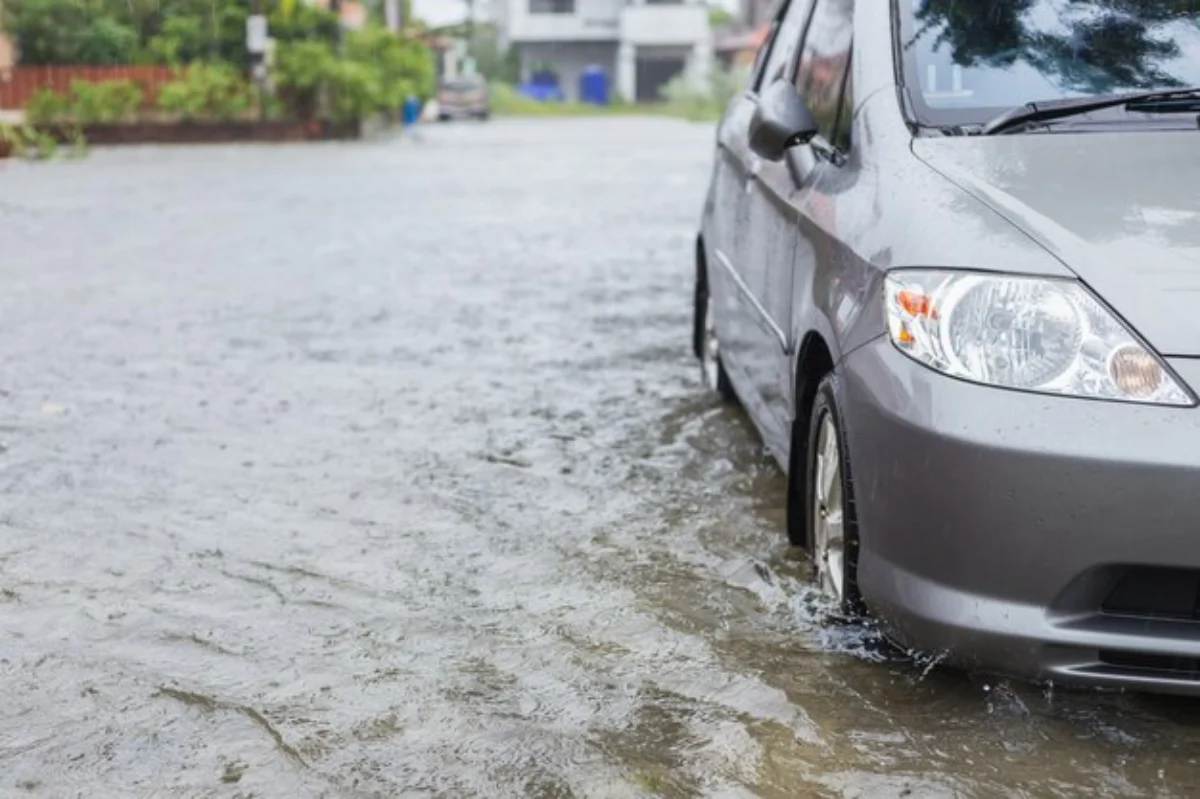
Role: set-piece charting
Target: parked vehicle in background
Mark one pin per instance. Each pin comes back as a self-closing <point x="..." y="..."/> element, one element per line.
<point x="466" y="97"/>
<point x="948" y="263"/>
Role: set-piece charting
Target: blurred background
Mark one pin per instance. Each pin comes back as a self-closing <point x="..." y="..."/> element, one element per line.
<point x="337" y="64"/>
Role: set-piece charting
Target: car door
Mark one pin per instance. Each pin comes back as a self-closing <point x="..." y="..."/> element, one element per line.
<point x="775" y="195"/>
<point x="790" y="215"/>
<point x="827" y="165"/>
<point x="743" y="277"/>
<point x="728" y="226"/>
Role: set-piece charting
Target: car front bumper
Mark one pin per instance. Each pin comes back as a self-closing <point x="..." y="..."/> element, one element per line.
<point x="456" y="111"/>
<point x="1045" y="537"/>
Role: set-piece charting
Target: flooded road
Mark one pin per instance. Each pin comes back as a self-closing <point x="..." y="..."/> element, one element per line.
<point x="382" y="469"/>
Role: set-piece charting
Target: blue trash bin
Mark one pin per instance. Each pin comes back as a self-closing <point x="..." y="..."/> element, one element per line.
<point x="411" y="111"/>
<point x="543" y="87"/>
<point x="593" y="86"/>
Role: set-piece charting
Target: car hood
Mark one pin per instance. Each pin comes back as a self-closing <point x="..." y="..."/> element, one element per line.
<point x="1121" y="210"/>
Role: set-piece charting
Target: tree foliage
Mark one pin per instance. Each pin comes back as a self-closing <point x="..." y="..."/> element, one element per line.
<point x="405" y="67"/>
<point x="373" y="69"/>
<point x="376" y="71"/>
<point x="68" y="32"/>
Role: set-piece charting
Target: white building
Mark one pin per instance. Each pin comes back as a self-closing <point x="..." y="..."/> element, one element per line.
<point x="641" y="44"/>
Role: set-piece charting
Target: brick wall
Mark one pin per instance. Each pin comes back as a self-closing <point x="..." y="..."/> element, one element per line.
<point x="19" y="84"/>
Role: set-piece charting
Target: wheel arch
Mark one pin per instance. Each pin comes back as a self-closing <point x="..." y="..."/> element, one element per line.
<point x="700" y="294"/>
<point x="814" y="360"/>
<point x="814" y="363"/>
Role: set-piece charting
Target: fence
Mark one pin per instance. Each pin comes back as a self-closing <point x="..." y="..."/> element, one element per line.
<point x="17" y="85"/>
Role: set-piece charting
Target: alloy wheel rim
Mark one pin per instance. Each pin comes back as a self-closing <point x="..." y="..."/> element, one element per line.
<point x="710" y="359"/>
<point x="829" y="511"/>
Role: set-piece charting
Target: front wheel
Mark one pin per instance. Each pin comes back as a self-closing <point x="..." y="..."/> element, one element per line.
<point x="830" y="510"/>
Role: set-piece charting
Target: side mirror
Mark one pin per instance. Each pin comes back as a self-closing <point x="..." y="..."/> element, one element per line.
<point x="781" y="121"/>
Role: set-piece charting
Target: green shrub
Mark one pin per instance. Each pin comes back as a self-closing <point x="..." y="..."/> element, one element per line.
<point x="46" y="106"/>
<point x="303" y="65"/>
<point x="301" y="69"/>
<point x="29" y="142"/>
<point x="86" y="103"/>
<point x="182" y="39"/>
<point x="376" y="72"/>
<point x="705" y="103"/>
<point x="357" y="91"/>
<point x="206" y="91"/>
<point x="104" y="102"/>
<point x="406" y="67"/>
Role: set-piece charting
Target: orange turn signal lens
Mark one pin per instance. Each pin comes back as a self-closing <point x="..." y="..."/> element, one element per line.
<point x="916" y="304"/>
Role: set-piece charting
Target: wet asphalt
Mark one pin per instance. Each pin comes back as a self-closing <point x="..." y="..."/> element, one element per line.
<point x="382" y="469"/>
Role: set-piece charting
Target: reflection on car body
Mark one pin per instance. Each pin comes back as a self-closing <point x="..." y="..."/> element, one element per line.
<point x="975" y="355"/>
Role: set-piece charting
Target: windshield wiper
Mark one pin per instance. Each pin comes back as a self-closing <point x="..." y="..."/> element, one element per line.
<point x="1050" y="110"/>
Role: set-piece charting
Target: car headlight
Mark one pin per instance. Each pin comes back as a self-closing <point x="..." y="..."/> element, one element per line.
<point x="1034" y="334"/>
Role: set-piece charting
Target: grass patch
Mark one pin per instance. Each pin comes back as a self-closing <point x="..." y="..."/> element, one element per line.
<point x="693" y="110"/>
<point x="681" y="101"/>
<point x="507" y="101"/>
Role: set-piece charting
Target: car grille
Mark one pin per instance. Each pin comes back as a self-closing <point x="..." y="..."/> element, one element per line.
<point x="1156" y="593"/>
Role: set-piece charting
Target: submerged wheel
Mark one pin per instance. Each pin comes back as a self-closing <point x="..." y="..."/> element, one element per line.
<point x="832" y="526"/>
<point x="708" y="346"/>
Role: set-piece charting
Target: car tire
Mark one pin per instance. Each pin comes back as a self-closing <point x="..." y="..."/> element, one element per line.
<point x="830" y="521"/>
<point x="708" y="347"/>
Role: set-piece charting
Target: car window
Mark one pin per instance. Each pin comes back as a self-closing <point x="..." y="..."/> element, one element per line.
<point x="842" y="138"/>
<point x="824" y="69"/>
<point x="781" y="47"/>
<point x="964" y="67"/>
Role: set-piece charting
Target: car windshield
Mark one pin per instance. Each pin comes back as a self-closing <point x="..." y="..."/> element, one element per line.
<point x="966" y="61"/>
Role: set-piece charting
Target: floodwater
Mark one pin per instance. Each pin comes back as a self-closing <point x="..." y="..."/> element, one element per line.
<point x="382" y="469"/>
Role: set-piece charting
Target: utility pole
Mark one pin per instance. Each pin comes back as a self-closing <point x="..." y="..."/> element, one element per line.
<point x="393" y="12"/>
<point x="471" y="43"/>
<point x="256" y="46"/>
<point x="336" y="7"/>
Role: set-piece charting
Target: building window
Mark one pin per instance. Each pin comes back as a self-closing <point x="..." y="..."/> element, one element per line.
<point x="551" y="6"/>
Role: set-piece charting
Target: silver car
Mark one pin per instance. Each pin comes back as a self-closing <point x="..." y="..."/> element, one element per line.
<point x="949" y="262"/>
<point x="466" y="97"/>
